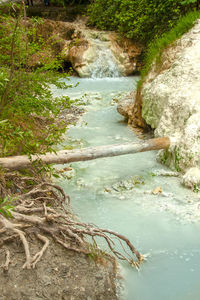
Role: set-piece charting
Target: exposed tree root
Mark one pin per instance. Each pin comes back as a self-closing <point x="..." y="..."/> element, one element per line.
<point x="44" y="211"/>
<point x="8" y="261"/>
<point x="38" y="255"/>
<point x="13" y="227"/>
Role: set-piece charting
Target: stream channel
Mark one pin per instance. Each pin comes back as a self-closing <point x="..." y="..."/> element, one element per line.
<point x="116" y="193"/>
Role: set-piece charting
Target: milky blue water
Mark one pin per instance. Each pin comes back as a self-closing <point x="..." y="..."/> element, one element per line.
<point x="116" y="193"/>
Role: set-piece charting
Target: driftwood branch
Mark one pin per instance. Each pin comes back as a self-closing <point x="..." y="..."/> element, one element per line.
<point x="68" y="156"/>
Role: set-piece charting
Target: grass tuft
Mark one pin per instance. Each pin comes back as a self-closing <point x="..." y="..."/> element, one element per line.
<point x="156" y="48"/>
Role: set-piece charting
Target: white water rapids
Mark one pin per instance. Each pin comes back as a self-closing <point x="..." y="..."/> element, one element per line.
<point x="116" y="193"/>
<point x="105" y="63"/>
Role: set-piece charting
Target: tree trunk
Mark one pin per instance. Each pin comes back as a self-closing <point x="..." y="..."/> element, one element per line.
<point x="68" y="156"/>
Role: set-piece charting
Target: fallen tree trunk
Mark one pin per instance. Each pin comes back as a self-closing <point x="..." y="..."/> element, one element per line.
<point x="68" y="156"/>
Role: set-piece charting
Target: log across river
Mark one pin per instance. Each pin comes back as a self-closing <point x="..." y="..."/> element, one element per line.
<point x="68" y="156"/>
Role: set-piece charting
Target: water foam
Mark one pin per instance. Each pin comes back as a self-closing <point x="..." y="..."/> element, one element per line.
<point x="105" y="64"/>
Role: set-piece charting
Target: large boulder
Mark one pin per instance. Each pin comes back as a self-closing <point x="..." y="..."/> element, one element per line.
<point x="171" y="102"/>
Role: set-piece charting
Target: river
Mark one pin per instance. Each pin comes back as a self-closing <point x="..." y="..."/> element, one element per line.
<point x="116" y="193"/>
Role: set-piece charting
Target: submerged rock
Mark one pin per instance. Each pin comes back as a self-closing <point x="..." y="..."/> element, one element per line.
<point x="191" y="178"/>
<point x="157" y="190"/>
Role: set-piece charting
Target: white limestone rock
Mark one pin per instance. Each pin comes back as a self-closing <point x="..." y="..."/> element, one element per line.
<point x="171" y="101"/>
<point x="124" y="105"/>
<point x="191" y="178"/>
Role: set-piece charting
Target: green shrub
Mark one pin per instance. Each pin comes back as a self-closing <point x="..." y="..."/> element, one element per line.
<point x="27" y="106"/>
<point x="142" y="20"/>
<point x="6" y="206"/>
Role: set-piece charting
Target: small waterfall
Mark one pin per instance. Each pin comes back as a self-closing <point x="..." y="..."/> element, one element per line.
<point x="105" y="64"/>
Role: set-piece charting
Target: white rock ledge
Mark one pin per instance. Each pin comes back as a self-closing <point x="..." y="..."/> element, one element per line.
<point x="171" y="104"/>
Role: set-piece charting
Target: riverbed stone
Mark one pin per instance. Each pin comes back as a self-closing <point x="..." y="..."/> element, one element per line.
<point x="125" y="105"/>
<point x="191" y="178"/>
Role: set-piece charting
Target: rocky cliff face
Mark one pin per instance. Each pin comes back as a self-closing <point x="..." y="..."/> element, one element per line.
<point x="171" y="104"/>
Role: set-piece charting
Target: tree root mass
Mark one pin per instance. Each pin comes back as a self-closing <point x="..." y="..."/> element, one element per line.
<point x="44" y="211"/>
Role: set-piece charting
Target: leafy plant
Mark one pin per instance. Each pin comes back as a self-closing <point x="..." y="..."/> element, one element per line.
<point x="95" y="254"/>
<point x="142" y="20"/>
<point x="6" y="206"/>
<point x="27" y="106"/>
<point x="187" y="2"/>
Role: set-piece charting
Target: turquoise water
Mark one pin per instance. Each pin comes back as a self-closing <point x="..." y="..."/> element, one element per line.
<point x="116" y="193"/>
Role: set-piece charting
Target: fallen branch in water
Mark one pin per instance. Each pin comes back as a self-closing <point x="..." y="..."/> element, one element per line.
<point x="42" y="212"/>
<point x="68" y="156"/>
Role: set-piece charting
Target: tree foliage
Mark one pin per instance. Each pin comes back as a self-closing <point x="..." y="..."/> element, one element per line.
<point x="142" y="20"/>
<point x="69" y="2"/>
<point x="27" y="106"/>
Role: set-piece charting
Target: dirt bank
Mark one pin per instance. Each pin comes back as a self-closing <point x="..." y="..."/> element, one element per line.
<point x="45" y="251"/>
<point x="61" y="274"/>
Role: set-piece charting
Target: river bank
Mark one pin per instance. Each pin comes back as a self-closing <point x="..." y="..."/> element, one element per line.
<point x="135" y="195"/>
<point x="60" y="274"/>
<point x="51" y="271"/>
<point x="36" y="221"/>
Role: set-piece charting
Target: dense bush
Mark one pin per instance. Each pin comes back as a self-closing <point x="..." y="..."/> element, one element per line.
<point x="27" y="106"/>
<point x="142" y="20"/>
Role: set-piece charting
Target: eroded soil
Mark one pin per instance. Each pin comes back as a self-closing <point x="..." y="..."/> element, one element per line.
<point x="61" y="274"/>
